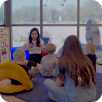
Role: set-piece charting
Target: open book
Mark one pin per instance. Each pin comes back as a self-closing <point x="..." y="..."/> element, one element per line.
<point x="35" y="50"/>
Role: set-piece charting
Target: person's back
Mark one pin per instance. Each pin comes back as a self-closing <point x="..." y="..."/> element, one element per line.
<point x="48" y="65"/>
<point x="79" y="75"/>
<point x="79" y="72"/>
<point x="78" y="94"/>
<point x="49" y="61"/>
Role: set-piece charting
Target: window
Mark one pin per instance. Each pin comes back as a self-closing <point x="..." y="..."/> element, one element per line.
<point x="60" y="11"/>
<point x="2" y="15"/>
<point x="90" y="9"/>
<point x="57" y="19"/>
<point x="91" y="23"/>
<point x="57" y="35"/>
<point x="20" y="35"/>
<point x="94" y="33"/>
<point x="25" y="11"/>
<point x="97" y="39"/>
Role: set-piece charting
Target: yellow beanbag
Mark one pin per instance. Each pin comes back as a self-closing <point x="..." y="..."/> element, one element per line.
<point x="14" y="71"/>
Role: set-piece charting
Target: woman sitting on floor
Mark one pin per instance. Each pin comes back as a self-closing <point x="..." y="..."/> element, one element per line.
<point x="78" y="73"/>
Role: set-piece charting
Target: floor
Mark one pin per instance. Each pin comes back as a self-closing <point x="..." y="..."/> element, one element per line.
<point x="39" y="92"/>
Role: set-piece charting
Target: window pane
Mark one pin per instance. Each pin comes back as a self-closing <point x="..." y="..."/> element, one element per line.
<point x="60" y="11"/>
<point x="94" y="33"/>
<point x="82" y="35"/>
<point x="20" y="35"/>
<point x="57" y="35"/>
<point x="96" y="37"/>
<point x="2" y="14"/>
<point x="25" y="11"/>
<point x="90" y="9"/>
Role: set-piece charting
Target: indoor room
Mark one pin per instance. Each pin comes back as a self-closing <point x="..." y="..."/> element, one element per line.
<point x="50" y="50"/>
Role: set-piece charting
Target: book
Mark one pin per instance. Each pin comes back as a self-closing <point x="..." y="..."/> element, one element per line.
<point x="35" y="50"/>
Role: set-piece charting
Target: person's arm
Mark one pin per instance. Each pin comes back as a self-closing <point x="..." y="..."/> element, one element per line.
<point x="43" y="49"/>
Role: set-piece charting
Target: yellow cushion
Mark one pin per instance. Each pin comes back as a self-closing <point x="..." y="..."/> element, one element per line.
<point x="10" y="70"/>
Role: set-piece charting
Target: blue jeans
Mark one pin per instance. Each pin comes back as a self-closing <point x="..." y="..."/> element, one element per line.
<point x="70" y="93"/>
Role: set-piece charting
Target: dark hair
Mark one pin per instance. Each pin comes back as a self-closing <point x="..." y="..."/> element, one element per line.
<point x="38" y="38"/>
<point x="76" y="63"/>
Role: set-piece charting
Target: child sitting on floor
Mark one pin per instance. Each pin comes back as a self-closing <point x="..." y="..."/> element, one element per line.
<point x="48" y="62"/>
<point x="19" y="58"/>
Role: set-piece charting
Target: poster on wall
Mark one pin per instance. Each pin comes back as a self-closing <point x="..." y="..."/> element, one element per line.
<point x="4" y="44"/>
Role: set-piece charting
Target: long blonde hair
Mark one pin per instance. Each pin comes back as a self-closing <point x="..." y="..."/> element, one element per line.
<point x="76" y="63"/>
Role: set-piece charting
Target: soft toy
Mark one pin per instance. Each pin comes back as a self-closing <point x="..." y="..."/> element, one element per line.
<point x="13" y="71"/>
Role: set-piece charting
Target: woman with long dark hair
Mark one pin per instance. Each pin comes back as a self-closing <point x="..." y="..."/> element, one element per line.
<point x="78" y="72"/>
<point x="34" y="46"/>
<point x="34" y="37"/>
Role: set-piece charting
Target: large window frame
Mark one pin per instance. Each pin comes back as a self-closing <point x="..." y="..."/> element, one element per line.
<point x="3" y="23"/>
<point x="41" y="25"/>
